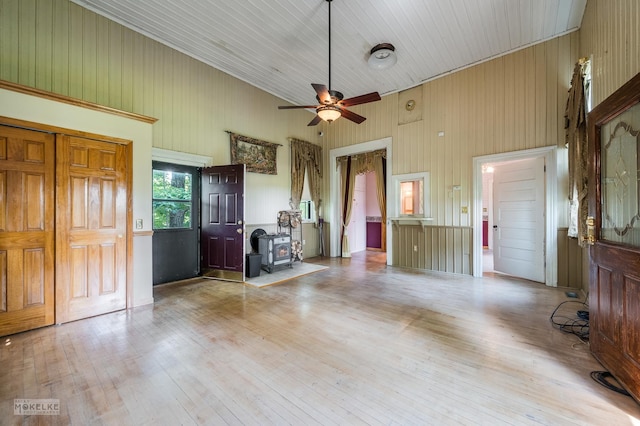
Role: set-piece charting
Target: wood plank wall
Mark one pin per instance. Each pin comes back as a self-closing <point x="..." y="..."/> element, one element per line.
<point x="510" y="103"/>
<point x="58" y="46"/>
<point x="438" y="248"/>
<point x="610" y="35"/>
<point x="570" y="259"/>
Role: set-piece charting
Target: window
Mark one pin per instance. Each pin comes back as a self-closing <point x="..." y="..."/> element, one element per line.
<point x="586" y="70"/>
<point x="307" y="211"/>
<point x="307" y="207"/>
<point x="412" y="191"/>
<point x="172" y="203"/>
<point x="411" y="198"/>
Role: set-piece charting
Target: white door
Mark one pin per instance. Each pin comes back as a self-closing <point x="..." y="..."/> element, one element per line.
<point x="518" y="226"/>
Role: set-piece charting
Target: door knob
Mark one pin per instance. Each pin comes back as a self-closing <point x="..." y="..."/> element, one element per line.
<point x="239" y="230"/>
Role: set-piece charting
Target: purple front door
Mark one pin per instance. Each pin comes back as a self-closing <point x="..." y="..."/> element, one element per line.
<point x="222" y="227"/>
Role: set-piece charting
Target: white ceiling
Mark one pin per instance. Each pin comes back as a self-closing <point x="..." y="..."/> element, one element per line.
<point x="281" y="46"/>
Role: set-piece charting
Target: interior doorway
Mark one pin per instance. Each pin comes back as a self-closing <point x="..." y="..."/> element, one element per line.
<point x="334" y="210"/>
<point x="482" y="211"/>
<point x="364" y="229"/>
<point x="175" y="242"/>
<point x="517" y="218"/>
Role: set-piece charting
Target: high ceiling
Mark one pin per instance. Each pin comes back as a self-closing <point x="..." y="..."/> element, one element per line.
<point x="281" y="46"/>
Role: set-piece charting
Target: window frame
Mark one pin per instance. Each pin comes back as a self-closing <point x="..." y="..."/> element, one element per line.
<point x="311" y="209"/>
<point x="189" y="202"/>
<point x="397" y="180"/>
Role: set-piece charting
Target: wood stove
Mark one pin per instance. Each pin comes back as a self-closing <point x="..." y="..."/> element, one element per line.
<point x="275" y="250"/>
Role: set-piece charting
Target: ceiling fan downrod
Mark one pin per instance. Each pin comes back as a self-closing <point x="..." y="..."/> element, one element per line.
<point x="329" y="1"/>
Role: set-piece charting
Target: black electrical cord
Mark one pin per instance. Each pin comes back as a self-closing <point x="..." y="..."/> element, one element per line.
<point x="579" y="326"/>
<point x="603" y="377"/>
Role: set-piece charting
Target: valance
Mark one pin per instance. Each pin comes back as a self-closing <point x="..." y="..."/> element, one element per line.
<point x="365" y="162"/>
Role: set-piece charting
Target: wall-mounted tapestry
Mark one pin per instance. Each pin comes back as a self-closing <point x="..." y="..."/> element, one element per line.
<point x="259" y="156"/>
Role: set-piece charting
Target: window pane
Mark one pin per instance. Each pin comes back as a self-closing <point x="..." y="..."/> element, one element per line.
<point x="168" y="185"/>
<point x="171" y="214"/>
<point x="412" y="197"/>
<point x="620" y="178"/>
<point x="418" y="197"/>
<point x="306" y="210"/>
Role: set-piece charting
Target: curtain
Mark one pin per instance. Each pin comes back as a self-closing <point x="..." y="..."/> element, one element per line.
<point x="576" y="141"/>
<point x="378" y="169"/>
<point x="306" y="157"/>
<point x="350" y="167"/>
<point x="348" y="178"/>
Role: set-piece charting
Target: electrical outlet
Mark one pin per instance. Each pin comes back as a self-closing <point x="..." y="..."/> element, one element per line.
<point x="138" y="223"/>
<point x="465" y="209"/>
<point x="415" y="248"/>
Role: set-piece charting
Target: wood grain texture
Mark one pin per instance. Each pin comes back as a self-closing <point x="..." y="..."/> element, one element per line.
<point x="91" y="232"/>
<point x="26" y="230"/>
<point x="359" y="343"/>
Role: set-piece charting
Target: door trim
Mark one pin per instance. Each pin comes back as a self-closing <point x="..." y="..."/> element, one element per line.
<point x="182" y="158"/>
<point x="333" y="210"/>
<point x="550" y="155"/>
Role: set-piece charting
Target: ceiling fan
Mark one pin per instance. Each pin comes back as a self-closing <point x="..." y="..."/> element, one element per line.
<point x="332" y="105"/>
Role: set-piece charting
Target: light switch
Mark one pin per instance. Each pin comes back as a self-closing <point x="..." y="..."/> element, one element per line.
<point x="138" y="223"/>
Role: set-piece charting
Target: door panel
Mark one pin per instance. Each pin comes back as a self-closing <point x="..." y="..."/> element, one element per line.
<point x="222" y="226"/>
<point x="91" y="233"/>
<point x="176" y="227"/>
<point x="519" y="219"/>
<point x="614" y="234"/>
<point x="27" y="160"/>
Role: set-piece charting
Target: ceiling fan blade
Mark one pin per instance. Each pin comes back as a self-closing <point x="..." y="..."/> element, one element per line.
<point x="352" y="116"/>
<point x="323" y="93"/>
<point x="362" y="99"/>
<point x="297" y="106"/>
<point x="315" y="121"/>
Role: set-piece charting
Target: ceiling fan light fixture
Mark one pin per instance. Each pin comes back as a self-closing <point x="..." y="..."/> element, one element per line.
<point x="328" y="112"/>
<point x="382" y="56"/>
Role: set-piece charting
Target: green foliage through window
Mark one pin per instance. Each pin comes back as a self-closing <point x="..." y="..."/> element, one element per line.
<point x="172" y="199"/>
<point x="307" y="212"/>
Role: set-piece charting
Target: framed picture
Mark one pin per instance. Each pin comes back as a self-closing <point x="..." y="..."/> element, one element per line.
<point x="259" y="156"/>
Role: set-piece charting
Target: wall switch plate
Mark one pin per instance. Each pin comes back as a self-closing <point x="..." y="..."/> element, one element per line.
<point x="465" y="209"/>
<point x="138" y="223"/>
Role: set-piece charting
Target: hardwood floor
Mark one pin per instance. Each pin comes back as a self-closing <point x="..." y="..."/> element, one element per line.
<point x="359" y="343"/>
